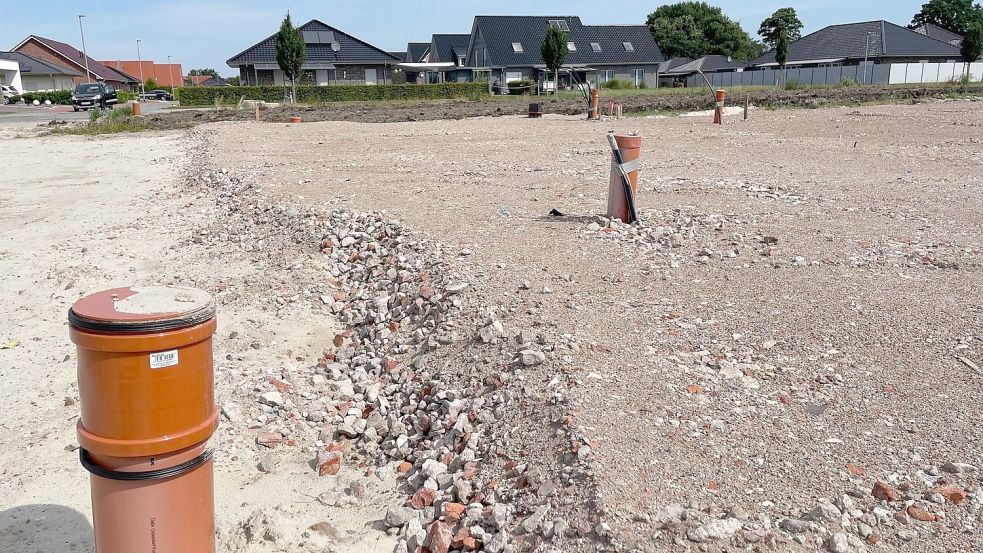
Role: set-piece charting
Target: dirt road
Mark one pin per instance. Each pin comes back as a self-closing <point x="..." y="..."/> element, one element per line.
<point x="784" y="354"/>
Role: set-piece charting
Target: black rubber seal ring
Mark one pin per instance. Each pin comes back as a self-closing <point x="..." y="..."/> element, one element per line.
<point x="191" y="319"/>
<point x="161" y="474"/>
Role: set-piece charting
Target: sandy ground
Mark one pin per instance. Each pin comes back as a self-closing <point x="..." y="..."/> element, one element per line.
<point x="724" y="379"/>
<point x="81" y="215"/>
<point x="799" y="340"/>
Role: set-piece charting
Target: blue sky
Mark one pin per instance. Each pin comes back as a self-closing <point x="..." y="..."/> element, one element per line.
<point x="206" y="33"/>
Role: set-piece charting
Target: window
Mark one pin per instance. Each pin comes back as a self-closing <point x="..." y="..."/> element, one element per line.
<point x="629" y="47"/>
<point x="517" y="47"/>
<point x="572" y="46"/>
<point x="639" y="77"/>
<point x="512" y="76"/>
<point x="559" y="24"/>
<point x="460" y="61"/>
<point x="595" y="46"/>
<point x="604" y="76"/>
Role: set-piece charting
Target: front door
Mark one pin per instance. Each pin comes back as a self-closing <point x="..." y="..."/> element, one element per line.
<point x="370" y="75"/>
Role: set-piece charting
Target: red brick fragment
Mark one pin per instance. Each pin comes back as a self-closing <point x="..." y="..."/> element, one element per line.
<point x="269" y="439"/>
<point x="953" y="494"/>
<point x="918" y="513"/>
<point x="439" y="537"/>
<point x="422" y="498"/>
<point x="454" y="511"/>
<point x="328" y="462"/>
<point x="884" y="492"/>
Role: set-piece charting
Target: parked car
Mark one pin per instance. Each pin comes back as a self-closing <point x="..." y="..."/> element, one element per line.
<point x="159" y="94"/>
<point x="93" y="95"/>
<point x="8" y="92"/>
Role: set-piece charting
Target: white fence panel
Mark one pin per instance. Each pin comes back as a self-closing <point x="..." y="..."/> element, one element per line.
<point x="976" y="71"/>
<point x="898" y="73"/>
<point x="930" y="73"/>
<point x="948" y="70"/>
<point x="914" y="73"/>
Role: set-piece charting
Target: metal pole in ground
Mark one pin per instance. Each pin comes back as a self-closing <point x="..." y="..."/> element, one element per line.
<point x="170" y="73"/>
<point x="140" y="63"/>
<point x="88" y="76"/>
<point x="747" y="105"/>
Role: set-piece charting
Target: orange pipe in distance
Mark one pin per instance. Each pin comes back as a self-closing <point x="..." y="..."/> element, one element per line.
<point x="146" y="387"/>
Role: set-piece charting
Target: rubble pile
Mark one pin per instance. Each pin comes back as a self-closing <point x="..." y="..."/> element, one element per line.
<point x="371" y="402"/>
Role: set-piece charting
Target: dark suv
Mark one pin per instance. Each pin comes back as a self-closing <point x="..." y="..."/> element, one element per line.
<point x="93" y="95"/>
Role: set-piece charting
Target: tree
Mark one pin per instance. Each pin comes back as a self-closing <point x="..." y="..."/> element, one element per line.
<point x="781" y="52"/>
<point x="554" y="50"/>
<point x="784" y="21"/>
<point x="955" y="16"/>
<point x="291" y="52"/>
<point x="972" y="46"/>
<point x="203" y="72"/>
<point x="234" y="81"/>
<point x="696" y="29"/>
<point x="151" y="84"/>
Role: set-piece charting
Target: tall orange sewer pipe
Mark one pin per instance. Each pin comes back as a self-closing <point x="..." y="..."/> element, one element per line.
<point x="631" y="149"/>
<point x="146" y="387"/>
<point x="718" y="111"/>
<point x="595" y="103"/>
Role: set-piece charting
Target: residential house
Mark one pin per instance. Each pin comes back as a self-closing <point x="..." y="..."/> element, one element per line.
<point x="705" y="65"/>
<point x="165" y="74"/>
<point x="204" y="80"/>
<point x="450" y="49"/>
<point x="876" y="42"/>
<point x="504" y="49"/>
<point x="62" y="54"/>
<point x="938" y="33"/>
<point x="416" y="52"/>
<point x="668" y="65"/>
<point x="10" y="74"/>
<point x="333" y="57"/>
<point x="39" y="75"/>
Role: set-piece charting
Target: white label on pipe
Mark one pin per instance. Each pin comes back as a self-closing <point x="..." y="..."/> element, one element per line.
<point x="163" y="359"/>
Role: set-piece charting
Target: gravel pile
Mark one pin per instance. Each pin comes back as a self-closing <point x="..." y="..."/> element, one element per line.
<point x="373" y="401"/>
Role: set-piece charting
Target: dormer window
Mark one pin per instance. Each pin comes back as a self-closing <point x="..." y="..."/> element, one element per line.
<point x="559" y="24"/>
<point x="595" y="46"/>
<point x="517" y="47"/>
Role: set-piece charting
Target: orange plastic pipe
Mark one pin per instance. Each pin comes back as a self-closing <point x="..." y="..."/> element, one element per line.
<point x="718" y="112"/>
<point x="136" y="107"/>
<point x="631" y="149"/>
<point x="595" y="103"/>
<point x="146" y="388"/>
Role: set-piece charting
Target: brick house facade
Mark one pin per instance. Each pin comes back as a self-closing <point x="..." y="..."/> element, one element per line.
<point x="60" y="53"/>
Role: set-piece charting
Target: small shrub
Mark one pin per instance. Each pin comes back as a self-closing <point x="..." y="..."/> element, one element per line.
<point x="94" y="115"/>
<point x="126" y="96"/>
<point x="60" y="97"/>
<point x="848" y="83"/>
<point x="618" y="84"/>
<point x="525" y="86"/>
<point x="794" y="84"/>
<point x="208" y="95"/>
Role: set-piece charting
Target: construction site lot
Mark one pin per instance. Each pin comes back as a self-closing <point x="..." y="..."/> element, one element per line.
<point x="430" y="338"/>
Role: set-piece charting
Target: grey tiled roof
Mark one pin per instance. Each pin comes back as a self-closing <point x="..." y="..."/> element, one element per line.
<point x="400" y="55"/>
<point x="446" y="48"/>
<point x="938" y="33"/>
<point x="848" y="41"/>
<point x="416" y="50"/>
<point x="499" y="32"/>
<point x="74" y="57"/>
<point x="707" y="64"/>
<point x="29" y="65"/>
<point x="352" y="50"/>
<point x="673" y="63"/>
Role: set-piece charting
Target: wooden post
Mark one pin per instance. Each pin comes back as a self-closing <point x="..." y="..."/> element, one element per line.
<point x="257" y="111"/>
<point x="747" y="105"/>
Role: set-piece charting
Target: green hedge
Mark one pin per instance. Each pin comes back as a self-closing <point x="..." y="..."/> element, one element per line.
<point x="63" y="97"/>
<point x="210" y="95"/>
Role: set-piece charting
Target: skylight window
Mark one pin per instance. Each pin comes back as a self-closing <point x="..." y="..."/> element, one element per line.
<point x="629" y="47"/>
<point x="559" y="24"/>
<point x="572" y="46"/>
<point x="595" y="46"/>
<point x="517" y="47"/>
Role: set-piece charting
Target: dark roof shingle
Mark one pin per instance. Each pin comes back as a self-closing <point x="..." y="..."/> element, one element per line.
<point x="849" y="41"/>
<point x="415" y="51"/>
<point x="351" y="49"/>
<point x="30" y="65"/>
<point x="500" y="32"/>
<point x="68" y="52"/>
<point x="448" y="48"/>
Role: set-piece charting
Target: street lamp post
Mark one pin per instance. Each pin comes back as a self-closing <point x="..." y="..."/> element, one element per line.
<point x="140" y="63"/>
<point x="866" y="52"/>
<point x="88" y="76"/>
<point x="170" y="73"/>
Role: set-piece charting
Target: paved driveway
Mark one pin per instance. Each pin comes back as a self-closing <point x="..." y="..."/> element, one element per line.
<point x="42" y="114"/>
